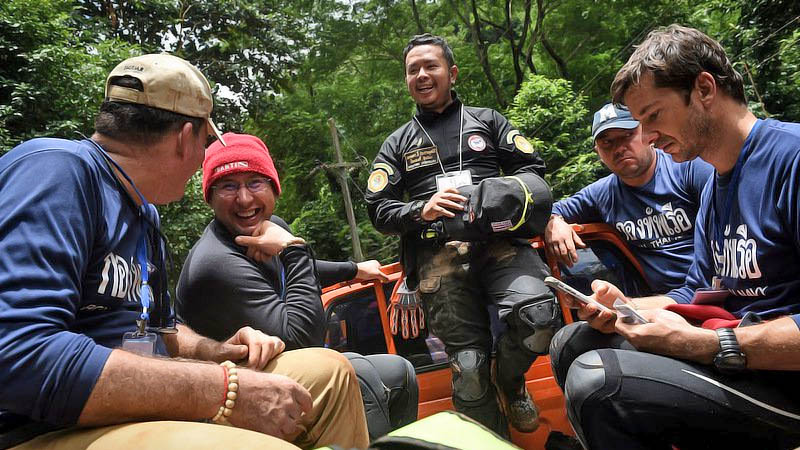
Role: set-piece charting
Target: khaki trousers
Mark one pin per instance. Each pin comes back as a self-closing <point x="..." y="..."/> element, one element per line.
<point x="337" y="417"/>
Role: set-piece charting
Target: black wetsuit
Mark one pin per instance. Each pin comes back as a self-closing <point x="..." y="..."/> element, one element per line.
<point x="457" y="282"/>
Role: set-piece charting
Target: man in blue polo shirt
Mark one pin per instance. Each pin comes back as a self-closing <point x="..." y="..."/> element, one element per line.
<point x="649" y="198"/>
<point x="702" y="384"/>
<point x="85" y="327"/>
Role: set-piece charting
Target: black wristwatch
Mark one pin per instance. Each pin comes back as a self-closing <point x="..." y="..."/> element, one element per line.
<point x="730" y="357"/>
<point x="416" y="211"/>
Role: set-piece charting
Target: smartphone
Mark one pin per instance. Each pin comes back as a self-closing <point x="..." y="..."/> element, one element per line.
<point x="628" y="314"/>
<point x="555" y="283"/>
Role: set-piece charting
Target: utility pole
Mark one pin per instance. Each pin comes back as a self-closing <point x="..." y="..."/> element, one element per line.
<point x="340" y="169"/>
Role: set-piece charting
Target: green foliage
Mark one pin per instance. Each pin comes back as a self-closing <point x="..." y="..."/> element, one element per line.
<point x="790" y="74"/>
<point x="764" y="43"/>
<point x="555" y="120"/>
<point x="52" y="77"/>
<point x="281" y="69"/>
<point x="183" y="222"/>
<point x="319" y="224"/>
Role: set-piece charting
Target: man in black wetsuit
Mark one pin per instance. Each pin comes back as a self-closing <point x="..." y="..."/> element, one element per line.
<point x="444" y="146"/>
<point x="248" y="269"/>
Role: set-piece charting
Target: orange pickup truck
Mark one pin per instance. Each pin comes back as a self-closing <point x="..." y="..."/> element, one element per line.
<point x="358" y="322"/>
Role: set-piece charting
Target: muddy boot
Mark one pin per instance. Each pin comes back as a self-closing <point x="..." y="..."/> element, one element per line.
<point x="522" y="412"/>
<point x="510" y="366"/>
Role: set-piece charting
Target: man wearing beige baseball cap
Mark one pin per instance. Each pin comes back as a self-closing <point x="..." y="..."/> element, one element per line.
<point x="85" y="316"/>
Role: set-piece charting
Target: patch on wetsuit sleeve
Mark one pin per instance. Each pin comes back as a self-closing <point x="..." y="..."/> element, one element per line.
<point x="519" y="141"/>
<point x="378" y="180"/>
<point x="523" y="144"/>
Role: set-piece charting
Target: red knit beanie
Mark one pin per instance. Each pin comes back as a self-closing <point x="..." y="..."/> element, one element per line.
<point x="243" y="153"/>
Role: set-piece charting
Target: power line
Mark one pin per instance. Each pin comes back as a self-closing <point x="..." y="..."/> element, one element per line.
<point x="761" y="41"/>
<point x="761" y="63"/>
<point x="597" y="75"/>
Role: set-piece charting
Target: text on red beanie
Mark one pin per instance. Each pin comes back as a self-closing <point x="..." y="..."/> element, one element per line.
<point x="243" y="153"/>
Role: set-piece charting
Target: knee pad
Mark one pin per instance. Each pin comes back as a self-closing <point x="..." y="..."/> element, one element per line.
<point x="536" y="321"/>
<point x="471" y="375"/>
<point x="585" y="377"/>
<point x="561" y="360"/>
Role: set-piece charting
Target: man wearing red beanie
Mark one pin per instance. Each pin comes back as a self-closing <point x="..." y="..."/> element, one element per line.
<point x="248" y="269"/>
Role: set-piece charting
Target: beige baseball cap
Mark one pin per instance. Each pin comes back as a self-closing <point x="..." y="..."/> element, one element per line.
<point x="169" y="82"/>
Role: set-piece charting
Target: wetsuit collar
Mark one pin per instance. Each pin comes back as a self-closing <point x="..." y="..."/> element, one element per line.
<point x="452" y="108"/>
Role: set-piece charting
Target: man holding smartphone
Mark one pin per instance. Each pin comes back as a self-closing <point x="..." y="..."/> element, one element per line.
<point x="669" y="382"/>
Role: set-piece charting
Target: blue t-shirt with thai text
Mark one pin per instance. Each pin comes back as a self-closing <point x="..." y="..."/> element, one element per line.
<point x="656" y="219"/>
<point x="69" y="275"/>
<point x="748" y="230"/>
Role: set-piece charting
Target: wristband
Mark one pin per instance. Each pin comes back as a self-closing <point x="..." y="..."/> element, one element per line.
<point x="231" y="393"/>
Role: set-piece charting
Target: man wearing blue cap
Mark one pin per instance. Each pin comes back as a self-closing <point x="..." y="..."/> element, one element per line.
<point x="649" y="198"/>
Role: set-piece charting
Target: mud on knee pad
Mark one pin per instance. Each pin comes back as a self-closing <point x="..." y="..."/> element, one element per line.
<point x="536" y="321"/>
<point x="471" y="375"/>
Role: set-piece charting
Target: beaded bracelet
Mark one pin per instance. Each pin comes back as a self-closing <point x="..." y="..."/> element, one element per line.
<point x="231" y="393"/>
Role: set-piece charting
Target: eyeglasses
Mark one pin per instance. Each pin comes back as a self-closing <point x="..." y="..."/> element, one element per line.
<point x="229" y="189"/>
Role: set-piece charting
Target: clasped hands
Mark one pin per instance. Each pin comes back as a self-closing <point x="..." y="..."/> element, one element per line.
<point x="268" y="403"/>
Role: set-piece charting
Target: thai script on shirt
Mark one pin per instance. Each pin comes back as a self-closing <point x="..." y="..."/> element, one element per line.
<point x="656" y="230"/>
<point x="120" y="278"/>
<point x="738" y="258"/>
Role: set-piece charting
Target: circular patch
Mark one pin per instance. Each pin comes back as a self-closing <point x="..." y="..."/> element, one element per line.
<point x="476" y="143"/>
<point x="378" y="180"/>
<point x="522" y="144"/>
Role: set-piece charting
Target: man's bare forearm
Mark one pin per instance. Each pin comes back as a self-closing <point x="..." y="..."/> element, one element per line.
<point x="774" y="345"/>
<point x="133" y="387"/>
<point x="654" y="302"/>
<point x="188" y="344"/>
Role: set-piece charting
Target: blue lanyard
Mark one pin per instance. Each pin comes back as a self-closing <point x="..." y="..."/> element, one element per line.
<point x="145" y="292"/>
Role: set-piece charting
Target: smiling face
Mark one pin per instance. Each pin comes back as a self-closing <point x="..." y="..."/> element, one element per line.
<point x="625" y="154"/>
<point x="429" y="77"/>
<point x="242" y="213"/>
<point x="680" y="128"/>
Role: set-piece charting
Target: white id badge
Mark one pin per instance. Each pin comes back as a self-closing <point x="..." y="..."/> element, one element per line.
<point x="144" y="344"/>
<point x="453" y="180"/>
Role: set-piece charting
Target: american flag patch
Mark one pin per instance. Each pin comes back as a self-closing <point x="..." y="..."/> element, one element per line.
<point x="501" y="226"/>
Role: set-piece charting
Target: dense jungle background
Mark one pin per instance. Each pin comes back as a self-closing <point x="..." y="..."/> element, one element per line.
<point x="281" y="69"/>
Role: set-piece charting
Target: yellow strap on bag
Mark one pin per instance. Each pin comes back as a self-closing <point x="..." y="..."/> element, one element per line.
<point x="528" y="201"/>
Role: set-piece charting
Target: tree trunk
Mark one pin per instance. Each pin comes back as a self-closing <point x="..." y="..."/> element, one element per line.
<point x="415" y="13"/>
<point x="517" y="53"/>
<point x="480" y="49"/>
